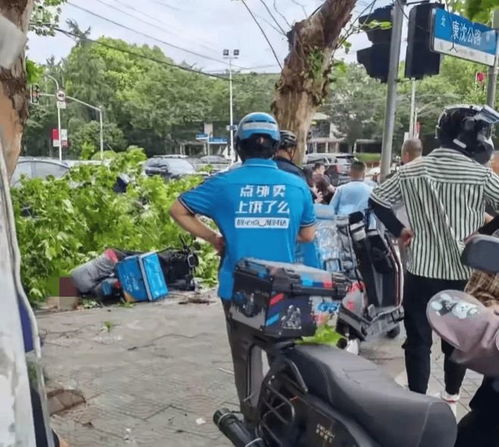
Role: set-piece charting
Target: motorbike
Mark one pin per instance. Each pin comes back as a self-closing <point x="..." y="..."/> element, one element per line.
<point x="318" y="395"/>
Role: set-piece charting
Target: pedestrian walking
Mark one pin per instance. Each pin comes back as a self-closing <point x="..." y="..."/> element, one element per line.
<point x="444" y="194"/>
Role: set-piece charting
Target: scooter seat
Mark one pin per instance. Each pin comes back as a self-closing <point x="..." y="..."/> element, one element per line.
<point x="392" y="415"/>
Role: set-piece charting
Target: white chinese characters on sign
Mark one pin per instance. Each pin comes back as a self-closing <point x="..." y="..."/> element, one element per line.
<point x="262" y="206"/>
<point x="463" y="33"/>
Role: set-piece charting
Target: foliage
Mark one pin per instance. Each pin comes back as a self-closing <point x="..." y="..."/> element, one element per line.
<point x="87" y="136"/>
<point x="106" y="155"/>
<point x="356" y="103"/>
<point x="324" y="335"/>
<point x="315" y="63"/>
<point x="33" y="71"/>
<point x="45" y="17"/>
<point x="368" y="158"/>
<point x="154" y="105"/>
<point x="455" y="84"/>
<point x="62" y="223"/>
<point x="477" y="10"/>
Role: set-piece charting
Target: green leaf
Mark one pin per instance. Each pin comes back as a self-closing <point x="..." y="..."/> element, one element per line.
<point x="34" y="71"/>
<point x="74" y="218"/>
<point x="324" y="335"/>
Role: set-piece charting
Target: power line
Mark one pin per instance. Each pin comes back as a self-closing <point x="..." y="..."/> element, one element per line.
<point x="166" y="5"/>
<point x="153" y="59"/>
<point x="149" y="36"/>
<point x="350" y="30"/>
<point x="142" y="56"/>
<point x="161" y="28"/>
<point x="277" y="30"/>
<point x="273" y="17"/>
<point x="126" y="5"/>
<point x="301" y="5"/>
<point x="263" y="32"/>
<point x="281" y="14"/>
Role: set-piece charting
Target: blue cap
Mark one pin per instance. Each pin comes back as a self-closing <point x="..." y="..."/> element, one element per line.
<point x="258" y="123"/>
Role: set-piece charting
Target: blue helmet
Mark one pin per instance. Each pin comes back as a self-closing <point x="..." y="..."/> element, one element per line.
<point x="258" y="123"/>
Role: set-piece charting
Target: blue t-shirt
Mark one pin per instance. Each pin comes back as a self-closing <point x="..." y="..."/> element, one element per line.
<point x="259" y="210"/>
<point x="351" y="197"/>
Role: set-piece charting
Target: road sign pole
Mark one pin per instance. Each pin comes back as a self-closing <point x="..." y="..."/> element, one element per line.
<point x="59" y="133"/>
<point x="492" y="77"/>
<point x="231" y="111"/>
<point x="101" y="125"/>
<point x="391" y="96"/>
<point x="412" y="117"/>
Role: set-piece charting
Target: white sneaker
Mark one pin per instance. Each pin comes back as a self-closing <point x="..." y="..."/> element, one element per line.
<point x="451" y="399"/>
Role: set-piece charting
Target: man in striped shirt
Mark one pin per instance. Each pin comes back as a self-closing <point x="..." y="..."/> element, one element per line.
<point x="445" y="195"/>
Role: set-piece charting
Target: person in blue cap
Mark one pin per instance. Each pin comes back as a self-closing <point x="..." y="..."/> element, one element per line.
<point x="261" y="212"/>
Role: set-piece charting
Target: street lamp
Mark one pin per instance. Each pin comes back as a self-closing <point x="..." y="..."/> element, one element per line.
<point x="230" y="57"/>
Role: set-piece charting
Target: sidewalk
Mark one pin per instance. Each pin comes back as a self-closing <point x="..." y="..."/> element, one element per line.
<point x="153" y="375"/>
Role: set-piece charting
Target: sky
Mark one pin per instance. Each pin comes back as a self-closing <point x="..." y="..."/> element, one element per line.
<point x="203" y="27"/>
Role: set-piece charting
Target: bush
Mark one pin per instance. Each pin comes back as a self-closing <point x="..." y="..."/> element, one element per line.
<point x="368" y="157"/>
<point x="62" y="223"/>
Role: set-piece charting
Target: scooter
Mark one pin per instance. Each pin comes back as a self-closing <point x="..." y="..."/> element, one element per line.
<point x="473" y="331"/>
<point x="317" y="395"/>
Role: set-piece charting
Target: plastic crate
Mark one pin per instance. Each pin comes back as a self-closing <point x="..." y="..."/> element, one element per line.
<point x="142" y="278"/>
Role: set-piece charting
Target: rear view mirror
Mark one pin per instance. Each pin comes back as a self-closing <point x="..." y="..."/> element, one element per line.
<point x="482" y="253"/>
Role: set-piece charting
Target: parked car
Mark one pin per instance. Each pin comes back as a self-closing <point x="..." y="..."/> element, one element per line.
<point x="337" y="165"/>
<point x="169" y="167"/>
<point x="173" y="156"/>
<point x="216" y="162"/>
<point x="36" y="167"/>
<point x="74" y="163"/>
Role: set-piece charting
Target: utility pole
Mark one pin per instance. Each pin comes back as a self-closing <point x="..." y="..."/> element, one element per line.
<point x="59" y="133"/>
<point x="391" y="96"/>
<point x="492" y="76"/>
<point x="230" y="57"/>
<point x="412" y="118"/>
<point x="101" y="139"/>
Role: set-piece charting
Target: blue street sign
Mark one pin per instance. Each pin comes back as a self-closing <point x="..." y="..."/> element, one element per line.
<point x="202" y="136"/>
<point x="456" y="36"/>
<point x="215" y="140"/>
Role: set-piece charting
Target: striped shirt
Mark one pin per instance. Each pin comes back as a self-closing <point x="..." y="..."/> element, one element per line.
<point x="445" y="194"/>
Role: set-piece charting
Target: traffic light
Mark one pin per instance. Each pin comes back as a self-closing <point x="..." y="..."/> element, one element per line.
<point x="420" y="61"/>
<point x="35" y="94"/>
<point x="376" y="58"/>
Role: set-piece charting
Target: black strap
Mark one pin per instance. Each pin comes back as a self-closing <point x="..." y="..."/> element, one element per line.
<point x="387" y="217"/>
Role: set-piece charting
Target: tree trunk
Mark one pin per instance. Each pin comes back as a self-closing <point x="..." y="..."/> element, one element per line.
<point x="305" y="78"/>
<point x="13" y="89"/>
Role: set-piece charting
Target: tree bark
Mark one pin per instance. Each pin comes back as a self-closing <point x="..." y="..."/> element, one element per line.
<point x="305" y="78"/>
<point x="13" y="87"/>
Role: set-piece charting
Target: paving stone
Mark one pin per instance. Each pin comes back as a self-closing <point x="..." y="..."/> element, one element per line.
<point x="160" y="368"/>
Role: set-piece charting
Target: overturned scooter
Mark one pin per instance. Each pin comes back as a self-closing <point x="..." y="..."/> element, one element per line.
<point x="317" y="395"/>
